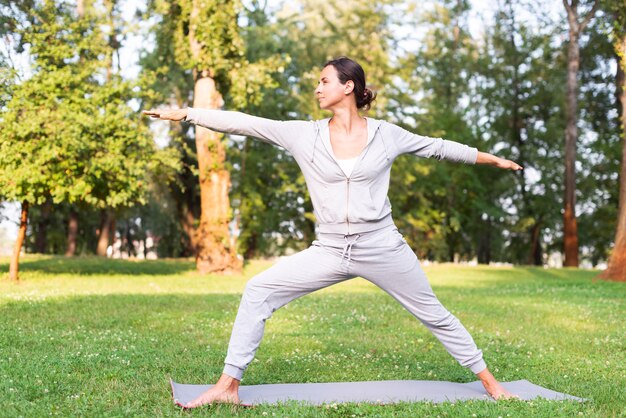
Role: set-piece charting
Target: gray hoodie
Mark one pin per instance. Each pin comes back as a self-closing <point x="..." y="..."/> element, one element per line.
<point x="341" y="204"/>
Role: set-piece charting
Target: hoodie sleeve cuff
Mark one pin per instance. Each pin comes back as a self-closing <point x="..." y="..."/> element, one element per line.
<point x="478" y="367"/>
<point x="473" y="157"/>
<point x="190" y="115"/>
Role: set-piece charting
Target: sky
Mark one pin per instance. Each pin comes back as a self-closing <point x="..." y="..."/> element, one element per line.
<point x="481" y="11"/>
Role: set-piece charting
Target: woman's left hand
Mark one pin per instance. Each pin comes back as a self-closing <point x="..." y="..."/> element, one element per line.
<point x="508" y="164"/>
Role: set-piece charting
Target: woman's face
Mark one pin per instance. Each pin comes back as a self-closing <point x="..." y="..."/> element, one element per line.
<point x="330" y="91"/>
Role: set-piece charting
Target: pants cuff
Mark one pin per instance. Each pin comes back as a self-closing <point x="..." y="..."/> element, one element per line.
<point x="233" y="371"/>
<point x="478" y="367"/>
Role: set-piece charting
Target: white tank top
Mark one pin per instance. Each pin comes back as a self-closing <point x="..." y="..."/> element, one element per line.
<point x="347" y="165"/>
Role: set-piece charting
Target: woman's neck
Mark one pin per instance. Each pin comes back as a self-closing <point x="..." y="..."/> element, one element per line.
<point x="346" y="120"/>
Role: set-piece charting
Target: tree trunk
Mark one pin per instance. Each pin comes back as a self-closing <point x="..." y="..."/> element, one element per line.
<point x="251" y="250"/>
<point x="112" y="236"/>
<point x="214" y="252"/>
<point x="72" y="233"/>
<point x="536" y="255"/>
<point x="15" y="259"/>
<point x="570" y="227"/>
<point x="483" y="252"/>
<point x="130" y="247"/>
<point x="41" y="238"/>
<point x="616" y="269"/>
<point x="517" y="125"/>
<point x="104" y="233"/>
<point x="188" y="222"/>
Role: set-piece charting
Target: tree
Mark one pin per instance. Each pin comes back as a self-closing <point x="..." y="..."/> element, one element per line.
<point x="576" y="28"/>
<point x="520" y="112"/>
<point x="165" y="80"/>
<point x="218" y="70"/>
<point x="31" y="151"/>
<point x="65" y="136"/>
<point x="616" y="269"/>
<point x="430" y="198"/>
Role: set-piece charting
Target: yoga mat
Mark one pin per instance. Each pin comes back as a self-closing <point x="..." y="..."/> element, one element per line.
<point x="378" y="392"/>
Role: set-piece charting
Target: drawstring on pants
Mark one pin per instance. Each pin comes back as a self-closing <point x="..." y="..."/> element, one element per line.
<point x="348" y="248"/>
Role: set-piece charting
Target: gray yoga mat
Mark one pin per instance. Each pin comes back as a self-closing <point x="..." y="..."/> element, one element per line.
<point x="378" y="392"/>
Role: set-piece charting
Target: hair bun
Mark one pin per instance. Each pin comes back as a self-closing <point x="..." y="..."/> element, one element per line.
<point x="368" y="98"/>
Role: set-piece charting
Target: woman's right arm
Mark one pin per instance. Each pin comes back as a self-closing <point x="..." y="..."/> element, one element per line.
<point x="281" y="133"/>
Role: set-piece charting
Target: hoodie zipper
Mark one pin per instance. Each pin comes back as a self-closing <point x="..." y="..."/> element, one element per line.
<point x="360" y="156"/>
<point x="347" y="188"/>
<point x="347" y="200"/>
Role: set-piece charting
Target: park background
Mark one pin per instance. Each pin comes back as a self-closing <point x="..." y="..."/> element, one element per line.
<point x="540" y="83"/>
<point x="493" y="76"/>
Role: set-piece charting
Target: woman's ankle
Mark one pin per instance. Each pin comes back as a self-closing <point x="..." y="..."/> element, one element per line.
<point x="485" y="375"/>
<point x="227" y="381"/>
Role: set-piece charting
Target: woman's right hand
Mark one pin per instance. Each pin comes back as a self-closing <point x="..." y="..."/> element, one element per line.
<point x="167" y="114"/>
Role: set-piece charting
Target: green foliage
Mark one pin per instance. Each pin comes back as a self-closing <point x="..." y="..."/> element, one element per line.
<point x="600" y="154"/>
<point x="521" y="110"/>
<point x="68" y="131"/>
<point x="437" y="203"/>
<point x="205" y="38"/>
<point x="69" y="134"/>
<point x="171" y="68"/>
<point x="213" y="24"/>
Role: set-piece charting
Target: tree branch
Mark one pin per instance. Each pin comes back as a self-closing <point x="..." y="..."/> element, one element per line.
<point x="589" y="15"/>
<point x="568" y="8"/>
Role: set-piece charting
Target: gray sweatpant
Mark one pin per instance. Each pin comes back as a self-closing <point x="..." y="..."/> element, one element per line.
<point x="382" y="257"/>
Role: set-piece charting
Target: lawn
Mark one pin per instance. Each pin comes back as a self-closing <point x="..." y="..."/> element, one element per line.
<point x="94" y="337"/>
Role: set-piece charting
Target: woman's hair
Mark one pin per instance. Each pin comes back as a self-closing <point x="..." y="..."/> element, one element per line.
<point x="348" y="69"/>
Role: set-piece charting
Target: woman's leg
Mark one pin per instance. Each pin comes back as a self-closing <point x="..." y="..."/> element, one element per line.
<point x="390" y="264"/>
<point x="397" y="271"/>
<point x="290" y="278"/>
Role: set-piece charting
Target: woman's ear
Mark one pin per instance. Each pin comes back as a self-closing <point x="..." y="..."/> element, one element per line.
<point x="349" y="86"/>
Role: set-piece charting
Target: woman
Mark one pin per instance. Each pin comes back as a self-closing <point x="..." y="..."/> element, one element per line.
<point x="346" y="162"/>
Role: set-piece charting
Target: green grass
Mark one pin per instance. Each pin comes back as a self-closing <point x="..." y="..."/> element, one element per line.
<point x="93" y="337"/>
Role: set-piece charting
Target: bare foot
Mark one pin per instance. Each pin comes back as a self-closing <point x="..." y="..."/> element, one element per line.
<point x="226" y="390"/>
<point x="493" y="388"/>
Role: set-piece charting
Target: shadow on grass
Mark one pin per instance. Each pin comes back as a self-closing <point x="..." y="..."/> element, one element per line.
<point x="488" y="278"/>
<point x="92" y="265"/>
<point x="564" y="274"/>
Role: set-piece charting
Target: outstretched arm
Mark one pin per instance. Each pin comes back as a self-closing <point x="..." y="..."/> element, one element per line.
<point x="443" y="149"/>
<point x="486" y="158"/>
<point x="282" y="133"/>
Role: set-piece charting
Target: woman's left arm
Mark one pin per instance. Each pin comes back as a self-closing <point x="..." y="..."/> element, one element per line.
<point x="486" y="158"/>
